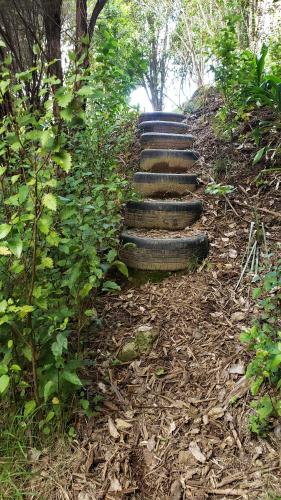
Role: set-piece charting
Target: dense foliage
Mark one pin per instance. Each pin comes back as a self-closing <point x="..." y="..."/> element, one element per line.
<point x="61" y="196"/>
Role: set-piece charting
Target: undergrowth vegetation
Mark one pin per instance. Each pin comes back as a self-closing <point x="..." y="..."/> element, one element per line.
<point x="61" y="195"/>
<point x="250" y="83"/>
<point x="264" y="339"/>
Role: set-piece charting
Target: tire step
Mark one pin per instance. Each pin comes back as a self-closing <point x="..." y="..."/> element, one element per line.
<point x="152" y="184"/>
<point x="160" y="254"/>
<point x="169" y="215"/>
<point x="161" y="115"/>
<point x="163" y="127"/>
<point x="154" y="140"/>
<point x="167" y="160"/>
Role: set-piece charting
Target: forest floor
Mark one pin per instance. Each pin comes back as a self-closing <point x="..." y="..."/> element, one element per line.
<point x="174" y="424"/>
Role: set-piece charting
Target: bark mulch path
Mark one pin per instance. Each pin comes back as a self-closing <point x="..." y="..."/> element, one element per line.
<point x="173" y="424"/>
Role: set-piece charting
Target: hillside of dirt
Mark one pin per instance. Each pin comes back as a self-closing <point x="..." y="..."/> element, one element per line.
<point x="173" y="425"/>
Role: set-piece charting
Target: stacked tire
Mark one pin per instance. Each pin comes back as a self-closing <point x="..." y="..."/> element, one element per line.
<point x="165" y="160"/>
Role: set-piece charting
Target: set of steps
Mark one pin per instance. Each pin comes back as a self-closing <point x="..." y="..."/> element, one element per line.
<point x="165" y="159"/>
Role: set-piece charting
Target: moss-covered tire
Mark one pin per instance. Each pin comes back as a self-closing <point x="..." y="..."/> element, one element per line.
<point x="154" y="140"/>
<point x="161" y="254"/>
<point x="162" y="116"/>
<point x="169" y="215"/>
<point x="155" y="184"/>
<point x="163" y="127"/>
<point x="167" y="160"/>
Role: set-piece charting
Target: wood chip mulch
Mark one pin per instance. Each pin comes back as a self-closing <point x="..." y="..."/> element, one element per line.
<point x="173" y="424"/>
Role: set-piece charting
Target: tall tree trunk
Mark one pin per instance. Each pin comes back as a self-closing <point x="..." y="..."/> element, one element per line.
<point x="81" y="26"/>
<point x="52" y="23"/>
<point x="84" y="28"/>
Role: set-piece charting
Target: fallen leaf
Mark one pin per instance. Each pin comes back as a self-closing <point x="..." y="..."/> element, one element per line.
<point x="122" y="425"/>
<point x="196" y="452"/>
<point x="238" y="316"/>
<point x="190" y="473"/>
<point x="102" y="387"/>
<point x="34" y="454"/>
<point x="237" y="369"/>
<point x="216" y="412"/>
<point x="205" y="419"/>
<point x="112" y="429"/>
<point x="186" y="458"/>
<point x="172" y="428"/>
<point x="151" y="443"/>
<point x="115" y="484"/>
<point x="176" y="490"/>
<point x="232" y="253"/>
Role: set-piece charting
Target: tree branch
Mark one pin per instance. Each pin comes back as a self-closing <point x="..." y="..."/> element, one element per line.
<point x="95" y="14"/>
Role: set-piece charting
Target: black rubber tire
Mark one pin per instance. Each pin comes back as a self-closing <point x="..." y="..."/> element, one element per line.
<point x="163" y="127"/>
<point x="169" y="215"/>
<point x="161" y="115"/>
<point x="167" y="160"/>
<point x="154" y="140"/>
<point x="151" y="184"/>
<point x="160" y="254"/>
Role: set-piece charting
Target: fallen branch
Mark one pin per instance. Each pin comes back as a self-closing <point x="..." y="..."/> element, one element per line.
<point x="259" y="209"/>
<point x="228" y="491"/>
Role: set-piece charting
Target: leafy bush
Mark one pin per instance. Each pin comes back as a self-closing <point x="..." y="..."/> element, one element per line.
<point x="248" y="82"/>
<point x="60" y="196"/>
<point x="264" y="338"/>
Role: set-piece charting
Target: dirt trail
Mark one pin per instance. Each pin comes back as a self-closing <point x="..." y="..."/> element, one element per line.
<point x="183" y="409"/>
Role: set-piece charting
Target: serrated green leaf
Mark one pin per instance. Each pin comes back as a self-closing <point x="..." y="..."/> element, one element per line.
<point x="86" y="91"/>
<point x="63" y="160"/>
<point x="44" y="224"/>
<point x="47" y="139"/>
<point x="23" y="193"/>
<point x="67" y="114"/>
<point x="47" y="263"/>
<point x="64" y="98"/>
<point x="50" y="201"/>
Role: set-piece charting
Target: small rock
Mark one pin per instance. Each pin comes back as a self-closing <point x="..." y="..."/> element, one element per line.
<point x="128" y="352"/>
<point x="145" y="336"/>
<point x="141" y="344"/>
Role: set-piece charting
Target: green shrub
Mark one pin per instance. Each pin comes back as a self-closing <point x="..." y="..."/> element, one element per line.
<point x="60" y="214"/>
<point x="264" y="338"/>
